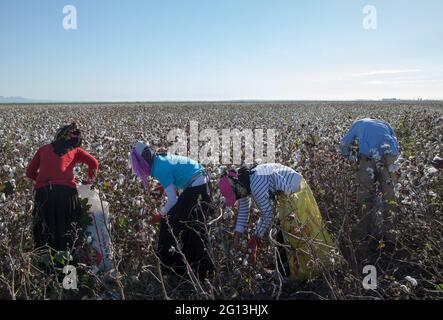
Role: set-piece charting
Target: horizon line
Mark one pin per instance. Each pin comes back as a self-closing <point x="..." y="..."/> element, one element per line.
<point x="32" y="101"/>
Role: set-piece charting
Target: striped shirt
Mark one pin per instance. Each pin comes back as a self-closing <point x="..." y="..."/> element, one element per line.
<point x="266" y="180"/>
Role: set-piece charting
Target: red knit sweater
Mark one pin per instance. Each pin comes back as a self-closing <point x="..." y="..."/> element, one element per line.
<point x="47" y="167"/>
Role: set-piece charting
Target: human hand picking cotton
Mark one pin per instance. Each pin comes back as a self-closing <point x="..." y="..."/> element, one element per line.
<point x="155" y="219"/>
<point x="253" y="244"/>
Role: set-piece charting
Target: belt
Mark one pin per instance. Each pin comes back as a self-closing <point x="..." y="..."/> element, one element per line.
<point x="194" y="178"/>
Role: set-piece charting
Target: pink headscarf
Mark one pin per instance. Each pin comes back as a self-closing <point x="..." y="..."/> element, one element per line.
<point x="140" y="167"/>
<point x="227" y="189"/>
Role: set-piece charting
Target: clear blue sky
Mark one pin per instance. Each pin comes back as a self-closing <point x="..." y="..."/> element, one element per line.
<point x="221" y="49"/>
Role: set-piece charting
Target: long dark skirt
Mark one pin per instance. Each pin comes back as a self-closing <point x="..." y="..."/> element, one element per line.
<point x="188" y="220"/>
<point x="56" y="217"/>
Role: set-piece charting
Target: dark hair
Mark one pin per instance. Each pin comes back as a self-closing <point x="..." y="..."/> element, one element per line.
<point x="244" y="174"/>
<point x="63" y="142"/>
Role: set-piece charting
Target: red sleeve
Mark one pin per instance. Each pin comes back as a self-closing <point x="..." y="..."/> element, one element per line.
<point x="83" y="157"/>
<point x="33" y="166"/>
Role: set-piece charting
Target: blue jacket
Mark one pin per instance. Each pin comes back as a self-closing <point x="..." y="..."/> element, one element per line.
<point x="376" y="138"/>
<point x="177" y="170"/>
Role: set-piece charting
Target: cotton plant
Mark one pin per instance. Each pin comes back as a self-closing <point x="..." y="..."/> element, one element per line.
<point x="110" y="130"/>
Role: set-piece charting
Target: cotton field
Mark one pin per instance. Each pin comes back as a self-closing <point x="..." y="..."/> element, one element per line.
<point x="307" y="136"/>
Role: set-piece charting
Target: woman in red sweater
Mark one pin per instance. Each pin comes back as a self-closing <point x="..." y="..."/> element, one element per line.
<point x="57" y="207"/>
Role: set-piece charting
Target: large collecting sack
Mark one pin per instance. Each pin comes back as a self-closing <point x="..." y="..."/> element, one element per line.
<point x="303" y="229"/>
<point x="97" y="231"/>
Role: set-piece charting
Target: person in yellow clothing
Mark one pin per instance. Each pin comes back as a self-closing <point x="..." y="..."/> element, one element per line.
<point x="280" y="189"/>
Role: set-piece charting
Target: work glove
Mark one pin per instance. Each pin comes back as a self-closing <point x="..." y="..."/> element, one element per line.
<point x="158" y="192"/>
<point x="156" y="219"/>
<point x="253" y="246"/>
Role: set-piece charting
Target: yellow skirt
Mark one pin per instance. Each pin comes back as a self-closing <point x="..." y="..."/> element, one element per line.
<point x="303" y="229"/>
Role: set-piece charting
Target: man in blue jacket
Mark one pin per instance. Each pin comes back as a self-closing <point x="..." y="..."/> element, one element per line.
<point x="377" y="153"/>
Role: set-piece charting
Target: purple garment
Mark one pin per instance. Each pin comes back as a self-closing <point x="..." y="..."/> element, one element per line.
<point x="140" y="167"/>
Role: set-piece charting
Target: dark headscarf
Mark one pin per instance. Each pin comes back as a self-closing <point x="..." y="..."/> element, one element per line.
<point x="240" y="181"/>
<point x="63" y="142"/>
<point x="244" y="178"/>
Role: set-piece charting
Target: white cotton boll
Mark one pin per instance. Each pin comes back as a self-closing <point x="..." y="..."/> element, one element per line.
<point x="412" y="281"/>
<point x="386" y="149"/>
<point x="121" y="179"/>
<point x="370" y="172"/>
<point x="129" y="160"/>
<point x="375" y="154"/>
<point x="12" y="172"/>
<point x="245" y="262"/>
<point x="3" y="197"/>
<point x="405" y="288"/>
<point x="433" y="194"/>
<point x="228" y="214"/>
